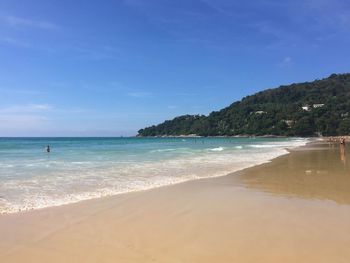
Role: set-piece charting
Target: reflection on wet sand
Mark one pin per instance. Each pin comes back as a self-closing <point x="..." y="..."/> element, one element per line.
<point x="319" y="173"/>
<point x="342" y="153"/>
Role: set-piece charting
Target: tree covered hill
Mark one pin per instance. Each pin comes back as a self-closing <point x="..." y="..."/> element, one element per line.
<point x="303" y="109"/>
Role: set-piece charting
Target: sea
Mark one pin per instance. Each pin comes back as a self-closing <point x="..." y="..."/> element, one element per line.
<point x="78" y="169"/>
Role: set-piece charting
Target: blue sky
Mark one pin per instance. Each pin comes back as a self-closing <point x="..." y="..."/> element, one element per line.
<point x="109" y="68"/>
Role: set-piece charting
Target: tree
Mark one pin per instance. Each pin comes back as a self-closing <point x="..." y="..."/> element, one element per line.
<point x="344" y="127"/>
<point x="269" y="111"/>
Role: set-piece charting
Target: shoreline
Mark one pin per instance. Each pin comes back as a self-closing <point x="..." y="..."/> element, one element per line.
<point x="264" y="213"/>
<point x="96" y="196"/>
<point x="220" y="136"/>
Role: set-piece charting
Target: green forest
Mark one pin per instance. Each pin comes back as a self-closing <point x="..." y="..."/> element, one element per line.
<point x="320" y="107"/>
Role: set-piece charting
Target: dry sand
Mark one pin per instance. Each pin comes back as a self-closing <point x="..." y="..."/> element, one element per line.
<point x="294" y="209"/>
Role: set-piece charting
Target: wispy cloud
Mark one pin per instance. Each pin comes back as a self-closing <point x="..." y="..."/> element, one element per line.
<point x="21" y="121"/>
<point x="286" y="61"/>
<point x="14" y="42"/>
<point x="172" y="107"/>
<point x="216" y="8"/>
<point x="17" y="22"/>
<point x="25" y="109"/>
<point x="36" y="117"/>
<point x="8" y="90"/>
<point x="140" y="94"/>
<point x="136" y="3"/>
<point x="24" y="117"/>
<point x="97" y="53"/>
<point x="20" y="43"/>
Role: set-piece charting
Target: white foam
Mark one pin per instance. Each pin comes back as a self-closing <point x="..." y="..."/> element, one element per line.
<point x="218" y="149"/>
<point x="68" y="186"/>
<point x="162" y="150"/>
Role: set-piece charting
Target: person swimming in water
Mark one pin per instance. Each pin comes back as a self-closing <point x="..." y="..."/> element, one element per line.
<point x="342" y="141"/>
<point x="342" y="150"/>
<point x="48" y="148"/>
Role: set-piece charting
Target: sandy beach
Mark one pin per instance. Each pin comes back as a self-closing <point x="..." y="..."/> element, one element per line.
<point x="293" y="209"/>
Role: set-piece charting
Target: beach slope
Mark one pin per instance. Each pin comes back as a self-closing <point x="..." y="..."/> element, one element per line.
<point x="294" y="209"/>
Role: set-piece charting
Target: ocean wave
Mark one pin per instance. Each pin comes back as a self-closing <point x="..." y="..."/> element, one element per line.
<point x="262" y="146"/>
<point x="217" y="149"/>
<point x="163" y="150"/>
<point x="39" y="191"/>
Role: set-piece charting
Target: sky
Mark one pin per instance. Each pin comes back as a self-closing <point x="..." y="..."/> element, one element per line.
<point x="109" y="68"/>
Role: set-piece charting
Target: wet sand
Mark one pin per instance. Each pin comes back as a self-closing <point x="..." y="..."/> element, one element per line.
<point x="294" y="209"/>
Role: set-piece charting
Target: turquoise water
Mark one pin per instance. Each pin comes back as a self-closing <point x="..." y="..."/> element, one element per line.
<point x="84" y="168"/>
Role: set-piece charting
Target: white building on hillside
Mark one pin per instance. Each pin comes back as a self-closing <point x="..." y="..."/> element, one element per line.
<point x="318" y="105"/>
<point x="260" y="112"/>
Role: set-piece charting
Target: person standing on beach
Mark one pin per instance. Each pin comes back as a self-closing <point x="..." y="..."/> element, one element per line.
<point x="48" y="149"/>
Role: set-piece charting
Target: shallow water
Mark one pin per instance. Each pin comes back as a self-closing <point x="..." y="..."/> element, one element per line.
<point x="320" y="173"/>
<point x="84" y="168"/>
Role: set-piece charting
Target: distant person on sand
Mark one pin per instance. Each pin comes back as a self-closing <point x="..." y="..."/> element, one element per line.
<point x="48" y="148"/>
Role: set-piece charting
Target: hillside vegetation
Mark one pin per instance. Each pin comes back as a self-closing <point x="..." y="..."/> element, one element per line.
<point x="320" y="107"/>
